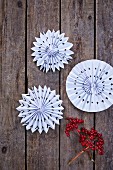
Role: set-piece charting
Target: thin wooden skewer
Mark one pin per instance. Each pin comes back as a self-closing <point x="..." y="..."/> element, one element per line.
<point x="77" y="155"/>
<point x="90" y="156"/>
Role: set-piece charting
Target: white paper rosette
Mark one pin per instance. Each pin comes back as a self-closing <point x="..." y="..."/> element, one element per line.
<point x="89" y="86"/>
<point x="51" y="50"/>
<point x="40" y="109"/>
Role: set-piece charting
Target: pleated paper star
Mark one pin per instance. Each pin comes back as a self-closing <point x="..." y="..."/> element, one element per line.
<point x="52" y="51"/>
<point x="40" y="109"/>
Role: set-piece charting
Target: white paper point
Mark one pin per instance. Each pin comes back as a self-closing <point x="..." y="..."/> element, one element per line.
<point x="40" y="109"/>
<point x="89" y="86"/>
<point x="51" y="51"/>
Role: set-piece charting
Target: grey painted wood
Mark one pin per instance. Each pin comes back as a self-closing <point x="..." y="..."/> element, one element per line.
<point x="104" y="120"/>
<point x="76" y="18"/>
<point x="12" y="80"/>
<point x="77" y="21"/>
<point x="42" y="150"/>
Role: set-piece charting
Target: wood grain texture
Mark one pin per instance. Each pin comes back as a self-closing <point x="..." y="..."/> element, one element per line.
<point x="42" y="150"/>
<point x="77" y="21"/>
<point x="104" y="120"/>
<point x="51" y="151"/>
<point x="12" y="66"/>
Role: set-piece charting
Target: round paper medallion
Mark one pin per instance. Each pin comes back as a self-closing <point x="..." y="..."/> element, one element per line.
<point x="89" y="85"/>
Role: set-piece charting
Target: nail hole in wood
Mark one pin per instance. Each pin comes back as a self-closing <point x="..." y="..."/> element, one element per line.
<point x="19" y="3"/>
<point x="4" y="149"/>
<point x="89" y="17"/>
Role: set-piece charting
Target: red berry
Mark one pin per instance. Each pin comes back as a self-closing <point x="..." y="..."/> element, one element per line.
<point x="88" y="138"/>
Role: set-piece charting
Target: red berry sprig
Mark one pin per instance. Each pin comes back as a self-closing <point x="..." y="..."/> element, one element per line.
<point x="92" y="139"/>
<point x="89" y="139"/>
<point x="73" y="125"/>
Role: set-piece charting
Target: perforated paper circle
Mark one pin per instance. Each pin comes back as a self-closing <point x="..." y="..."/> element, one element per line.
<point x="52" y="50"/>
<point x="40" y="109"/>
<point x="89" y="85"/>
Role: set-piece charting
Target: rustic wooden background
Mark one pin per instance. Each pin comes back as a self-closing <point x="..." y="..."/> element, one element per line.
<point x="89" y="25"/>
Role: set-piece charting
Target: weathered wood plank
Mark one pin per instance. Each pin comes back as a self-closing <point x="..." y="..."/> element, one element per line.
<point x="77" y="21"/>
<point x="104" y="120"/>
<point x="42" y="150"/>
<point x="12" y="56"/>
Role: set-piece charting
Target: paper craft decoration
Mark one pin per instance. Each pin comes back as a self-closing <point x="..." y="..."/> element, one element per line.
<point x="89" y="86"/>
<point x="52" y="50"/>
<point x="40" y="109"/>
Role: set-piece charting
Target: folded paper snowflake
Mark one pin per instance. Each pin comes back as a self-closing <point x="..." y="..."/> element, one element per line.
<point x="40" y="109"/>
<point x="52" y="50"/>
<point x="89" y="85"/>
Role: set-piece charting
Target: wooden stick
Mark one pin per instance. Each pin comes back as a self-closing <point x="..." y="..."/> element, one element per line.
<point x="80" y="153"/>
<point x="90" y="156"/>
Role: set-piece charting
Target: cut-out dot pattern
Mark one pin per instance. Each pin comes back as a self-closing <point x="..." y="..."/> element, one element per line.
<point x="93" y="87"/>
<point x="40" y="109"/>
